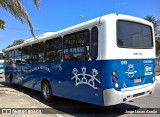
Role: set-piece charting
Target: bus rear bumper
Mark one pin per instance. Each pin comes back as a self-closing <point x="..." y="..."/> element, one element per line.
<point x="113" y="97"/>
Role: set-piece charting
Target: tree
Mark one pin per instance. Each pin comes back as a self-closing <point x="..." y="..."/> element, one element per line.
<point x="16" y="42"/>
<point x="155" y="22"/>
<point x="2" y="23"/>
<point x="18" y="11"/>
<point x="157" y="46"/>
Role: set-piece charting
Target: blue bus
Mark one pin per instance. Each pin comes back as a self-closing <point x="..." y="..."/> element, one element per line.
<point x="1" y="64"/>
<point x="105" y="61"/>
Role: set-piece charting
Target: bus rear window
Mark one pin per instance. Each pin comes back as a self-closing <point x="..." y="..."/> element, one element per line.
<point x="134" y="35"/>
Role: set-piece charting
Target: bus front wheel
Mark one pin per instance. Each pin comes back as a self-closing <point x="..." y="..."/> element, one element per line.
<point x="10" y="78"/>
<point x="46" y="91"/>
<point x="11" y="82"/>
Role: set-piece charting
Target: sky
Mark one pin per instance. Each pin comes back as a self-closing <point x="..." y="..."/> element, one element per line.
<point x="55" y="15"/>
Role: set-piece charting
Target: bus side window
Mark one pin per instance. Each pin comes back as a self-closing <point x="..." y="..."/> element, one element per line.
<point x="69" y="41"/>
<point x="47" y="50"/>
<point x="94" y="43"/>
<point x="7" y="57"/>
<point x="38" y="52"/>
<point x="11" y="56"/>
<point x="76" y="46"/>
<point x="53" y="49"/>
<point x="18" y="55"/>
<point x="26" y="54"/>
<point x="56" y="48"/>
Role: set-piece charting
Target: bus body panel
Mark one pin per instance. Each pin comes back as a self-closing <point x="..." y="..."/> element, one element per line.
<point x="134" y="72"/>
<point x="85" y="80"/>
<point x="1" y="66"/>
<point x="1" y="63"/>
<point x="109" y="47"/>
<point x="74" y="80"/>
<point x="112" y="97"/>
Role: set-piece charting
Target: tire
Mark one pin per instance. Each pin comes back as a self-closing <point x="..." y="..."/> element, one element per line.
<point x="11" y="83"/>
<point x="46" y="91"/>
<point x="10" y="78"/>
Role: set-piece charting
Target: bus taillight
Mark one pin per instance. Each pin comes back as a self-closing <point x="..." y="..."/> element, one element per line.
<point x="114" y="73"/>
<point x="115" y="79"/>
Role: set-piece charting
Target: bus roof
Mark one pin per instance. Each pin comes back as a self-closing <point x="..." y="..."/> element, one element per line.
<point x="93" y="22"/>
<point x="50" y="35"/>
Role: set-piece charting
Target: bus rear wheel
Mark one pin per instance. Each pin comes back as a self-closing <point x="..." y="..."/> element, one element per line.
<point x="46" y="91"/>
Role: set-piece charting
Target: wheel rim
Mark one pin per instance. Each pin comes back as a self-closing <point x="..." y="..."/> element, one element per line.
<point x="46" y="91"/>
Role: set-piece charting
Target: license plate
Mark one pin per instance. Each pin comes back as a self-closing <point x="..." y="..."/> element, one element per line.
<point x="137" y="80"/>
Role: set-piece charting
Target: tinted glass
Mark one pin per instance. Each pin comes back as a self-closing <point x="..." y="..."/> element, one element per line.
<point x="18" y="55"/>
<point x="26" y="54"/>
<point x="18" y="52"/>
<point x="37" y="52"/>
<point x="134" y="35"/>
<point x="1" y="56"/>
<point x="53" y="49"/>
<point x="76" y="46"/>
<point x="94" y="43"/>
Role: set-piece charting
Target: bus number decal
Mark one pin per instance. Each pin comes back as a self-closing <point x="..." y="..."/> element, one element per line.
<point x="123" y="62"/>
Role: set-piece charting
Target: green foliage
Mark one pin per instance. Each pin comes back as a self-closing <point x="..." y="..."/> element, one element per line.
<point x="16" y="42"/>
<point x="155" y="22"/>
<point x="157" y="46"/>
<point x="18" y="11"/>
<point x="2" y="23"/>
<point x="36" y="2"/>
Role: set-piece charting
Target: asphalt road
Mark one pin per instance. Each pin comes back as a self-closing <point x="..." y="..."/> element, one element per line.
<point x="20" y="97"/>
